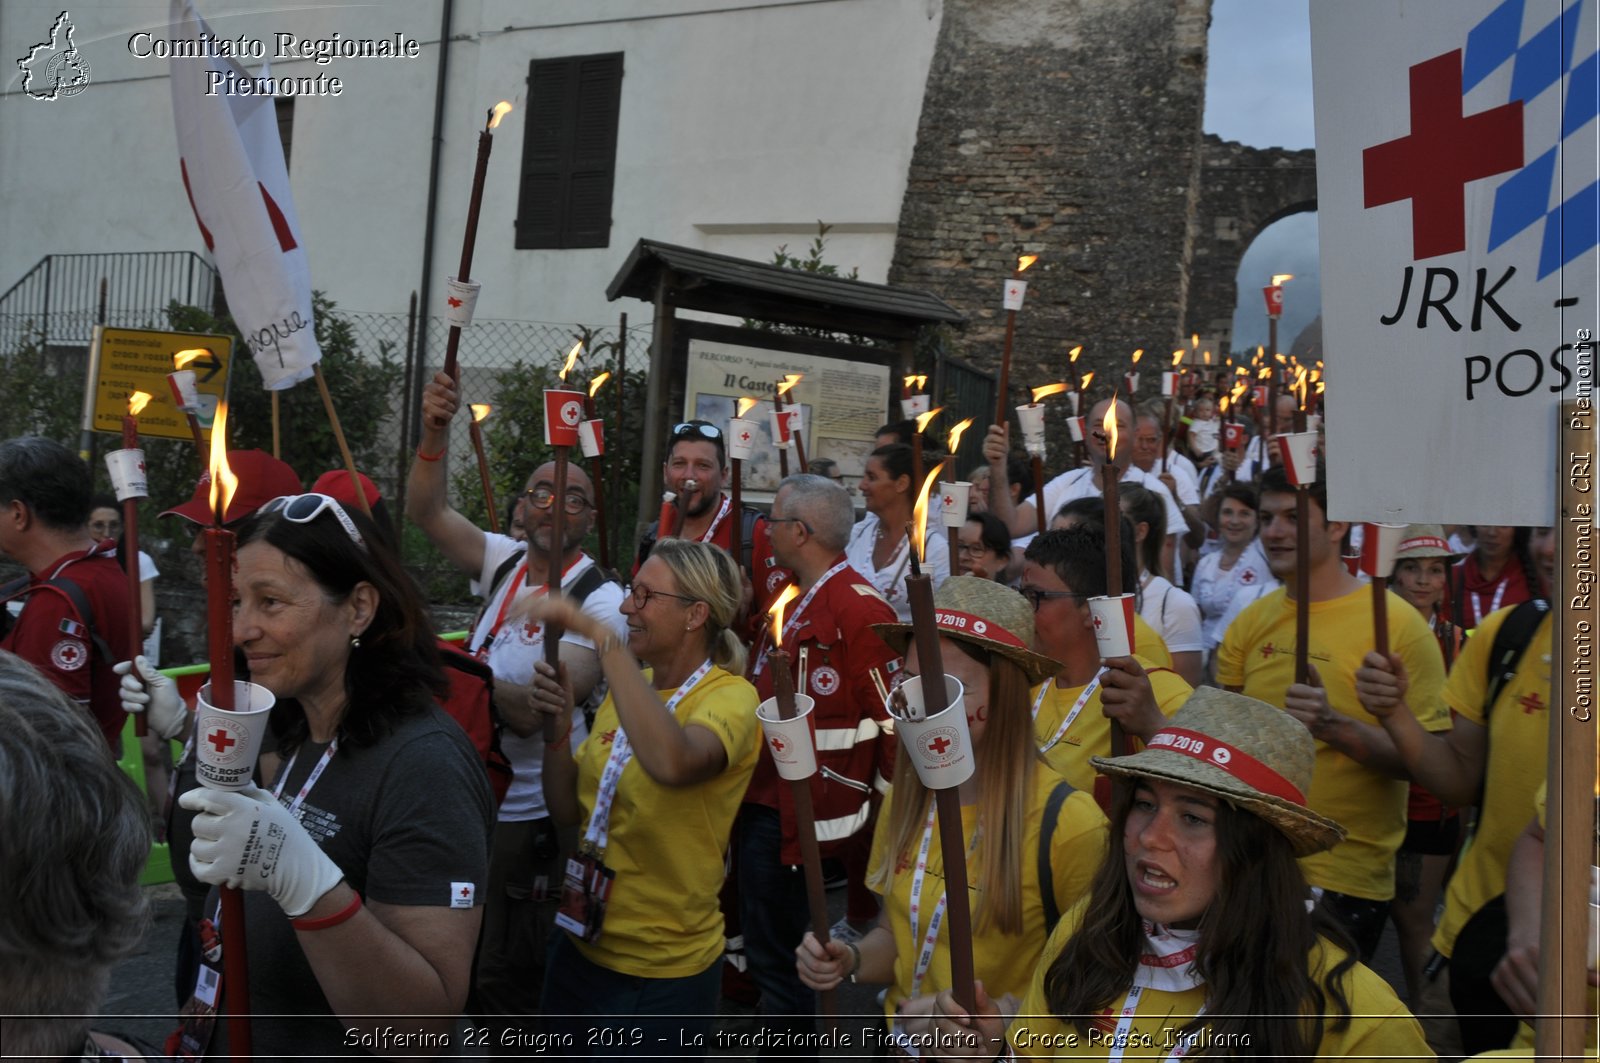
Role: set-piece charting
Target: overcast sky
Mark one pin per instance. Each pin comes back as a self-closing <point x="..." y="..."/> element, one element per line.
<point x="1258" y="92"/>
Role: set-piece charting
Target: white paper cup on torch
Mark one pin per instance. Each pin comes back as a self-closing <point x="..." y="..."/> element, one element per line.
<point x="461" y="299"/>
<point x="1379" y="545"/>
<point x="789" y="741"/>
<point x="741" y="438"/>
<point x="1016" y="291"/>
<point x="785" y="426"/>
<point x="185" y="395"/>
<point x="227" y="743"/>
<point x="1298" y="451"/>
<point x="940" y="746"/>
<point x="1130" y="381"/>
<point x="1031" y="415"/>
<point x="1077" y="426"/>
<point x="1169" y="384"/>
<point x="915" y="406"/>
<point x="1075" y="399"/>
<point x="592" y="438"/>
<point x="1112" y="616"/>
<point x="954" y="497"/>
<point x="128" y="476"/>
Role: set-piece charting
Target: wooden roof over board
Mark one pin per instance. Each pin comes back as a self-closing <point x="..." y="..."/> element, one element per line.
<point x="738" y="287"/>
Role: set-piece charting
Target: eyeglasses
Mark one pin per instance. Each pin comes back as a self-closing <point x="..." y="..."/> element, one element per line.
<point x="972" y="550"/>
<point x="1037" y="597"/>
<point x="303" y="509"/>
<point x="641" y="595"/>
<point x="791" y="520"/>
<point x="543" y="498"/>
<point x="696" y="430"/>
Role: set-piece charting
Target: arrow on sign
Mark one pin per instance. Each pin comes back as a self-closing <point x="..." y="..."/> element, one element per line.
<point x="207" y="361"/>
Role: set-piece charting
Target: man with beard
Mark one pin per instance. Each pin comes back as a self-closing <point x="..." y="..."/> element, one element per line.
<point x="526" y="862"/>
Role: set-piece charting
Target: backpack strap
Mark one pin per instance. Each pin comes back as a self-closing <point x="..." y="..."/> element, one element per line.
<point x="1047" y="829"/>
<point x="747" y="539"/>
<point x="594" y="577"/>
<point x="501" y="573"/>
<point x="74" y="596"/>
<point x="1510" y="642"/>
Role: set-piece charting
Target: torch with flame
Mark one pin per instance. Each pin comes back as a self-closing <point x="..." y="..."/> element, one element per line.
<point x="926" y="419"/>
<point x="137" y="402"/>
<point x="1137" y="354"/>
<point x="480" y="411"/>
<point x="1024" y="262"/>
<point x="1044" y="392"/>
<point x="791" y="379"/>
<point x="1108" y="425"/>
<point x="1177" y="357"/>
<point x="918" y="529"/>
<point x="1072" y="355"/>
<point x="223" y="482"/>
<point x="497" y="112"/>
<point x="1280" y="278"/>
<point x="775" y="614"/>
<point x="746" y="405"/>
<point x="598" y="382"/>
<point x="572" y="359"/>
<point x="181" y="359"/>
<point x="956" y="433"/>
<point x="1088" y="378"/>
<point x="469" y="236"/>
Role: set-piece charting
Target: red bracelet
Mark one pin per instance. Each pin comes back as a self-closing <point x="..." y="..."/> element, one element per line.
<point x="430" y="457"/>
<point x="344" y="915"/>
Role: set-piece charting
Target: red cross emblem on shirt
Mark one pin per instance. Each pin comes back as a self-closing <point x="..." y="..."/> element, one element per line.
<point x="222" y="740"/>
<point x="1444" y="150"/>
<point x="609" y="737"/>
<point x="1267" y="651"/>
<point x="453" y="301"/>
<point x="1247" y="576"/>
<point x="465" y="892"/>
<point x="939" y="745"/>
<point x="1531" y="703"/>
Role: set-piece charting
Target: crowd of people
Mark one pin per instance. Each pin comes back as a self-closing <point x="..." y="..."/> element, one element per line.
<point x="573" y="823"/>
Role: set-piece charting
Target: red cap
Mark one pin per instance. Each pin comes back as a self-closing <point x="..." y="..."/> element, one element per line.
<point x="336" y="485"/>
<point x="262" y="478"/>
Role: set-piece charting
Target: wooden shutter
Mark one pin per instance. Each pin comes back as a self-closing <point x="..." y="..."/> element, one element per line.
<point x="569" y="152"/>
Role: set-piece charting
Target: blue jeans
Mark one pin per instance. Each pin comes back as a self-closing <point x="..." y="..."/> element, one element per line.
<point x="775" y="915"/>
<point x="609" y="1015"/>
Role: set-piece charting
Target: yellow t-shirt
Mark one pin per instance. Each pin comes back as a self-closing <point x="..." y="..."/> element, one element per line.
<point x="1380" y="1026"/>
<point x="1519" y="730"/>
<point x="1148" y="643"/>
<point x="1257" y="655"/>
<point x="1003" y="962"/>
<point x="667" y="843"/>
<point x="1090" y="733"/>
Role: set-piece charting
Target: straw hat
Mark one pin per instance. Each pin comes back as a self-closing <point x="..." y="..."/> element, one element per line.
<point x="987" y="614"/>
<point x="1243" y="751"/>
<point x="1423" y="540"/>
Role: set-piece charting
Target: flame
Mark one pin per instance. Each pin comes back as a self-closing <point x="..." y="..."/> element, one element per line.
<point x="1048" y="390"/>
<point x="1109" y="423"/>
<point x="572" y="358"/>
<point x="1316" y="375"/>
<point x="1138" y="354"/>
<point x="1072" y="356"/>
<point x="919" y="513"/>
<point x="480" y="412"/>
<point x="790" y="593"/>
<point x="746" y="405"/>
<point x="1320" y="385"/>
<point x="1319" y="363"/>
<point x="183" y="358"/>
<point x="1241" y="371"/>
<point x="916" y="381"/>
<point x="1299" y="385"/>
<point x="137" y="402"/>
<point x="955" y="434"/>
<point x="1177" y="357"/>
<point x="1207" y="356"/>
<point x="1261" y="353"/>
<point x="223" y="482"/>
<point x="499" y="111"/>
<point x="1239" y="389"/>
<point x="1222" y="405"/>
<point x="598" y="382"/>
<point x="1025" y="261"/>
<point x="1281" y="359"/>
<point x="1194" y="340"/>
<point x="789" y="381"/>
<point x="1265" y="373"/>
<point x="1088" y="378"/>
<point x="926" y="419"/>
<point x="1279" y="278"/>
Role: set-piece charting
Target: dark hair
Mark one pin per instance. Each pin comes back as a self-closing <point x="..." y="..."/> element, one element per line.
<point x="1146" y="507"/>
<point x="1242" y="493"/>
<point x="102" y="500"/>
<point x="1092" y="512"/>
<point x="50" y="479"/>
<point x="699" y="432"/>
<point x="1275" y="481"/>
<point x="395" y="672"/>
<point x="903" y="431"/>
<point x="1077" y="555"/>
<point x="1253" y="953"/>
<point x="994" y="534"/>
<point x="896" y="459"/>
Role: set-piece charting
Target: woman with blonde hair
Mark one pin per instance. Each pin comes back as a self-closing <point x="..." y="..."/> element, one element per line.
<point x="1033" y="841"/>
<point x="655" y="787"/>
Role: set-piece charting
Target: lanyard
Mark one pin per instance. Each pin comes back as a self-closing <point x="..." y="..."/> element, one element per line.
<point x="936" y="919"/>
<point x="903" y="554"/>
<point x="518" y="580"/>
<point x="711" y="532"/>
<point x="598" y="833"/>
<point x="1119" y="1039"/>
<point x="1072" y="714"/>
<point x="311" y="780"/>
<point x="793" y="622"/>
<point x="1477" y="601"/>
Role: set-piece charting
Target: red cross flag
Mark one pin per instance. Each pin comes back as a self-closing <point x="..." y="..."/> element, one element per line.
<point x="231" y="161"/>
<point x="1457" y="190"/>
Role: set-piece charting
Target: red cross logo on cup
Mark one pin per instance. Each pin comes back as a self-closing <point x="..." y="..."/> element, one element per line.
<point x="939" y="745"/>
<point x="949" y="501"/>
<point x="453" y="301"/>
<point x="222" y="740"/>
<point x="744" y="437"/>
<point x="779" y="745"/>
<point x="1098" y="623"/>
<point x="572" y="413"/>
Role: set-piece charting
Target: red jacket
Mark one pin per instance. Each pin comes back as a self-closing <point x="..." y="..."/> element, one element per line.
<point x="836" y="648"/>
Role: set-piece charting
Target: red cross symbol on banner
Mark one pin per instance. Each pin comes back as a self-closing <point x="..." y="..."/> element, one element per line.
<point x="939" y="745"/>
<point x="1444" y="150"/>
<point x="453" y="301"/>
<point x="222" y="740"/>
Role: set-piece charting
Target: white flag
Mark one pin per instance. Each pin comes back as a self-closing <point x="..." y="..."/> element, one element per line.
<point x="233" y="169"/>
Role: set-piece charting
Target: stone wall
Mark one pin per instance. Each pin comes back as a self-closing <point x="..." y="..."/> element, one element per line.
<point x="1070" y="129"/>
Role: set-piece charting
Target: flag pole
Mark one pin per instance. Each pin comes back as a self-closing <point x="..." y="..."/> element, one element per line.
<point x="338" y="435"/>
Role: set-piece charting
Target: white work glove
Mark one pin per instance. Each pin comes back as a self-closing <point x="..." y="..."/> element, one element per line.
<point x="246" y="839"/>
<point x="155" y="695"/>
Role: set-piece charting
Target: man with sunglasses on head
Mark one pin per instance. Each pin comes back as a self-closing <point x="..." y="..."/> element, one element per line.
<point x="695" y="470"/>
<point x="527" y="858"/>
<point x="1072" y="713"/>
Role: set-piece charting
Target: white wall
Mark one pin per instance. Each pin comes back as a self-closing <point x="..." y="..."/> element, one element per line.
<point x="739" y="129"/>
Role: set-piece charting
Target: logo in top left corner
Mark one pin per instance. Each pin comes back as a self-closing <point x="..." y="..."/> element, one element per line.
<point x="55" y="69"/>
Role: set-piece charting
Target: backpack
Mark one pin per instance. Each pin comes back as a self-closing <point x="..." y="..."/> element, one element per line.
<point x="1047" y="829"/>
<point x="67" y="589"/>
<point x="471" y="704"/>
<point x="1510" y="642"/>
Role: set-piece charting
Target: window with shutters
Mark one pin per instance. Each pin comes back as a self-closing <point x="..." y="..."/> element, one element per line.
<point x="569" y="152"/>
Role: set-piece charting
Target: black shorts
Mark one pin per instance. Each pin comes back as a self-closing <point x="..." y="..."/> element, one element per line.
<point x="1432" y="837"/>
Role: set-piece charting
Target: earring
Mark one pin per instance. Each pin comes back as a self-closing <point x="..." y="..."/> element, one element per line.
<point x="355" y="642"/>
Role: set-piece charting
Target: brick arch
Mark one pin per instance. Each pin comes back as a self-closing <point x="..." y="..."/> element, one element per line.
<point x="1243" y="190"/>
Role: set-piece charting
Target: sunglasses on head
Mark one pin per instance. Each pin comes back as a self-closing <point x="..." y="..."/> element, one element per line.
<point x="697" y="430"/>
<point x="303" y="509"/>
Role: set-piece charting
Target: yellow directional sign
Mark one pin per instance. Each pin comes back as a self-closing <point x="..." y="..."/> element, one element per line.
<point x="125" y="360"/>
